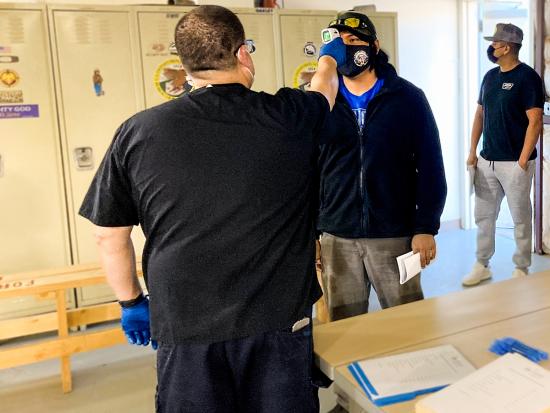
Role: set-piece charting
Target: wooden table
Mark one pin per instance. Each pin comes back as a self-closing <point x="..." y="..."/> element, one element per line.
<point x="345" y="341"/>
<point x="470" y="320"/>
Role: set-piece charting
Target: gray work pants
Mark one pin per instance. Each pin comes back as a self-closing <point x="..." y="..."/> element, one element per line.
<point x="352" y="266"/>
<point x="493" y="181"/>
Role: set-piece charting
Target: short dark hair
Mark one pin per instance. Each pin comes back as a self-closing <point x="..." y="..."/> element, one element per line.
<point x="207" y="38"/>
<point x="514" y="48"/>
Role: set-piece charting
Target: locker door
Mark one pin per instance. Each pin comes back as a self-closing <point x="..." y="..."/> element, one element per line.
<point x="33" y="229"/>
<point x="97" y="91"/>
<point x="258" y="26"/>
<point x="386" y="30"/>
<point x="163" y="74"/>
<point x="300" y="41"/>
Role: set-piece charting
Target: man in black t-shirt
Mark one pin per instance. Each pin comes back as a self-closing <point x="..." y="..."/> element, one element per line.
<point x="509" y="114"/>
<point x="222" y="182"/>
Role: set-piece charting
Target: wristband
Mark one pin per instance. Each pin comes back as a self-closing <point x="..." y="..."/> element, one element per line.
<point x="133" y="301"/>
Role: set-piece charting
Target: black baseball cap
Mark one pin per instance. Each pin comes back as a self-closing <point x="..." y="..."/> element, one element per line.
<point x="354" y="22"/>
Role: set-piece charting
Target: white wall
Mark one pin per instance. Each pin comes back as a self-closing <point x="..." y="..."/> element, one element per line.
<point x="428" y="57"/>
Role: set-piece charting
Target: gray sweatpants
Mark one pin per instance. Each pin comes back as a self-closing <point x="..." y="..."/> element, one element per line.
<point x="352" y="266"/>
<point x="493" y="181"/>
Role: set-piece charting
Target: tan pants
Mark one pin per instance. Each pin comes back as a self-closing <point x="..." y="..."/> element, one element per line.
<point x="352" y="266"/>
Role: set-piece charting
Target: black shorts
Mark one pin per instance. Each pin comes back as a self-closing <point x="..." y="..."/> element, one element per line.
<point x="266" y="373"/>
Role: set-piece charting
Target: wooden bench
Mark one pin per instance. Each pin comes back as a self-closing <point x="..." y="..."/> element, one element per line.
<point x="53" y="284"/>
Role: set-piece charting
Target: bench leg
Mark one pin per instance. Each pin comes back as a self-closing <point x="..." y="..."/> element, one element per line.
<point x="63" y="331"/>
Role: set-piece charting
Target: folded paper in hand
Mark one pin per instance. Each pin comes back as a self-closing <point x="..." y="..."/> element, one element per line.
<point x="409" y="266"/>
<point x="472" y="175"/>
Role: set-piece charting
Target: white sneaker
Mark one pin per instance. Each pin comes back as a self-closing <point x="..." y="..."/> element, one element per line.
<point x="478" y="274"/>
<point x="517" y="273"/>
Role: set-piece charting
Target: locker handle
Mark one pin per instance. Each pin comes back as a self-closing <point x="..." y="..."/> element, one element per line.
<point x="83" y="156"/>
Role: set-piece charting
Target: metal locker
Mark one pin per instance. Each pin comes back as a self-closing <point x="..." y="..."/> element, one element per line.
<point x="96" y="82"/>
<point x="259" y="26"/>
<point x="300" y="32"/>
<point x="163" y="75"/>
<point x="386" y="30"/>
<point x="33" y="224"/>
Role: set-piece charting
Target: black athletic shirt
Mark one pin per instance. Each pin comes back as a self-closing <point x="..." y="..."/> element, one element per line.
<point x="505" y="96"/>
<point x="222" y="181"/>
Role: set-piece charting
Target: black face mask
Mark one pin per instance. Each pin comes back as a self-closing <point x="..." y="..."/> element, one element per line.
<point x="358" y="59"/>
<point x="490" y="55"/>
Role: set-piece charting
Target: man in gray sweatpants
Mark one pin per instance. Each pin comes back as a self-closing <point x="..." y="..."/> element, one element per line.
<point x="509" y="114"/>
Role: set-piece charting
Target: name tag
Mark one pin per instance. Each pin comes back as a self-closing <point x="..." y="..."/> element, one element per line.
<point x="507" y="86"/>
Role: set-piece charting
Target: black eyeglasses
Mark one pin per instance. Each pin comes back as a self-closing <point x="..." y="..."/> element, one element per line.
<point x="250" y="46"/>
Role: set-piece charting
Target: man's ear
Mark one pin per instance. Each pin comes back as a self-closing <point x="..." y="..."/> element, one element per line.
<point x="243" y="56"/>
<point x="377" y="45"/>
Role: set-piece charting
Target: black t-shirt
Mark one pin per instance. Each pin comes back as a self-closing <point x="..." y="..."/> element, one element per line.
<point x="222" y="181"/>
<point x="505" y="97"/>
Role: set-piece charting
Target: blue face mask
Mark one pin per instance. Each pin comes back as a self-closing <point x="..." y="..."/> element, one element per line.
<point x="358" y="59"/>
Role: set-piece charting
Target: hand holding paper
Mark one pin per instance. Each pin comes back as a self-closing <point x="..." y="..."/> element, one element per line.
<point x="425" y="245"/>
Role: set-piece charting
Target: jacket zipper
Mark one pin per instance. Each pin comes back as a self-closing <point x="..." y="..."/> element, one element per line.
<point x="361" y="169"/>
<point x="361" y="173"/>
<point x="364" y="216"/>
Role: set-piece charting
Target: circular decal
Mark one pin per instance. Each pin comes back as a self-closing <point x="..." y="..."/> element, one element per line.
<point x="310" y="50"/>
<point x="360" y="58"/>
<point x="9" y="77"/>
<point x="171" y="79"/>
<point x="303" y="75"/>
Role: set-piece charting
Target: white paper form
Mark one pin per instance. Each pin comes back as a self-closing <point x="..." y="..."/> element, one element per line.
<point x="401" y="265"/>
<point x="409" y="266"/>
<point x="510" y="384"/>
<point x="415" y="371"/>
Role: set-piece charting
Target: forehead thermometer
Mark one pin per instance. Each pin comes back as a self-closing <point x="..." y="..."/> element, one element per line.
<point x="328" y="35"/>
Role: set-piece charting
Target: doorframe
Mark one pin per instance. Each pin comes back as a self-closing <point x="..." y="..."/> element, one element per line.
<point x="539" y="30"/>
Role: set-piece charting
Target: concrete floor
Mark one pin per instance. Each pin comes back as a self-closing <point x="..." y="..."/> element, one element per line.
<point x="122" y="379"/>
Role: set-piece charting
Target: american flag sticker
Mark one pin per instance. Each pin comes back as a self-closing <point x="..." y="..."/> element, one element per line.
<point x="5" y="49"/>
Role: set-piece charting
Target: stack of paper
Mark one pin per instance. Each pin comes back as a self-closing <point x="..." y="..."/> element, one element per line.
<point x="402" y="377"/>
<point x="510" y="384"/>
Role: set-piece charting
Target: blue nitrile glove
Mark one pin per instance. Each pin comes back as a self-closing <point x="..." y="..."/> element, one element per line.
<point x="135" y="323"/>
<point x="512" y="345"/>
<point x="335" y="49"/>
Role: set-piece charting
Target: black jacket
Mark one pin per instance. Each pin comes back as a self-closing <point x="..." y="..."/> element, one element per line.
<point x="388" y="181"/>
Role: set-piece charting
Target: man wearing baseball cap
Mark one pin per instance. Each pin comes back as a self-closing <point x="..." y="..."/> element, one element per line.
<point x="509" y="114"/>
<point x="382" y="180"/>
